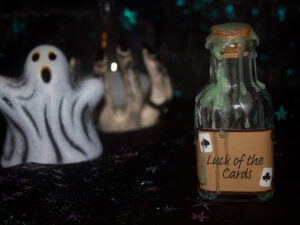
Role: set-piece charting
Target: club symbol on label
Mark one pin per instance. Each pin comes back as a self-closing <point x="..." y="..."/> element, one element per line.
<point x="266" y="177"/>
<point x="205" y="142"/>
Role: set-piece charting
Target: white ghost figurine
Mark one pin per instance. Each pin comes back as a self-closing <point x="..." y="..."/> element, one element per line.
<point x="49" y="118"/>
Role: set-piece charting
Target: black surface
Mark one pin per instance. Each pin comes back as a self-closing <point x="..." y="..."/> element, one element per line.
<point x="145" y="177"/>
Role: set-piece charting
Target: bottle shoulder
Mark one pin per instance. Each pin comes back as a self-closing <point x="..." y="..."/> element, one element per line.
<point x="235" y="109"/>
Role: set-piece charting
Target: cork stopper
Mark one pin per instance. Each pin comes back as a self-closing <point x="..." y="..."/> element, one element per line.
<point x="232" y="30"/>
<point x="236" y="35"/>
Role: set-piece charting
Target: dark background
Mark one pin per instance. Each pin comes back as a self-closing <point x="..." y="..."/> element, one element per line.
<point x="149" y="177"/>
<point x="174" y="29"/>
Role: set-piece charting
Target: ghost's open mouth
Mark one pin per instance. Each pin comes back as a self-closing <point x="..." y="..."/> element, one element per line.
<point x="46" y="74"/>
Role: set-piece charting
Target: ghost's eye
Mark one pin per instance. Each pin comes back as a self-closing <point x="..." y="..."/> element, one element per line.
<point x="46" y="75"/>
<point x="52" y="56"/>
<point x="35" y="57"/>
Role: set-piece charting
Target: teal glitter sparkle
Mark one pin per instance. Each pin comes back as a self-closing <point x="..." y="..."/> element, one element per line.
<point x="292" y="45"/>
<point x="230" y="11"/>
<point x="204" y="27"/>
<point x="254" y="11"/>
<point x="18" y="27"/>
<point x="178" y="93"/>
<point x="290" y="72"/>
<point x="281" y="114"/>
<point x="186" y="12"/>
<point x="93" y="35"/>
<point x="128" y="19"/>
<point x="263" y="57"/>
<point x="213" y="14"/>
<point x="281" y="11"/>
<point x="200" y="4"/>
<point x="180" y="3"/>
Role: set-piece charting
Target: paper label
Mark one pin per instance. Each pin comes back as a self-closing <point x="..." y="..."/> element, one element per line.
<point x="235" y="161"/>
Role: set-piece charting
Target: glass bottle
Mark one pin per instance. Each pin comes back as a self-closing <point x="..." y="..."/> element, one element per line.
<point x="234" y="121"/>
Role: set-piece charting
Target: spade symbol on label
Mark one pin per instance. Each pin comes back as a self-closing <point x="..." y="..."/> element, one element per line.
<point x="205" y="143"/>
<point x="267" y="177"/>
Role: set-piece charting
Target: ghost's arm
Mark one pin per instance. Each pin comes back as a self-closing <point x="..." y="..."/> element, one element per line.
<point x="168" y="86"/>
<point x="91" y="91"/>
<point x="161" y="90"/>
<point x="100" y="71"/>
<point x="74" y="66"/>
<point x="134" y="95"/>
<point x="8" y="84"/>
<point x="11" y="89"/>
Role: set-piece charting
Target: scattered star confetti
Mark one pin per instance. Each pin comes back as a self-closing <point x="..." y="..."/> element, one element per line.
<point x="200" y="203"/>
<point x="199" y="217"/>
<point x="152" y="189"/>
<point x="167" y="209"/>
<point x="147" y="182"/>
<point x="152" y="169"/>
